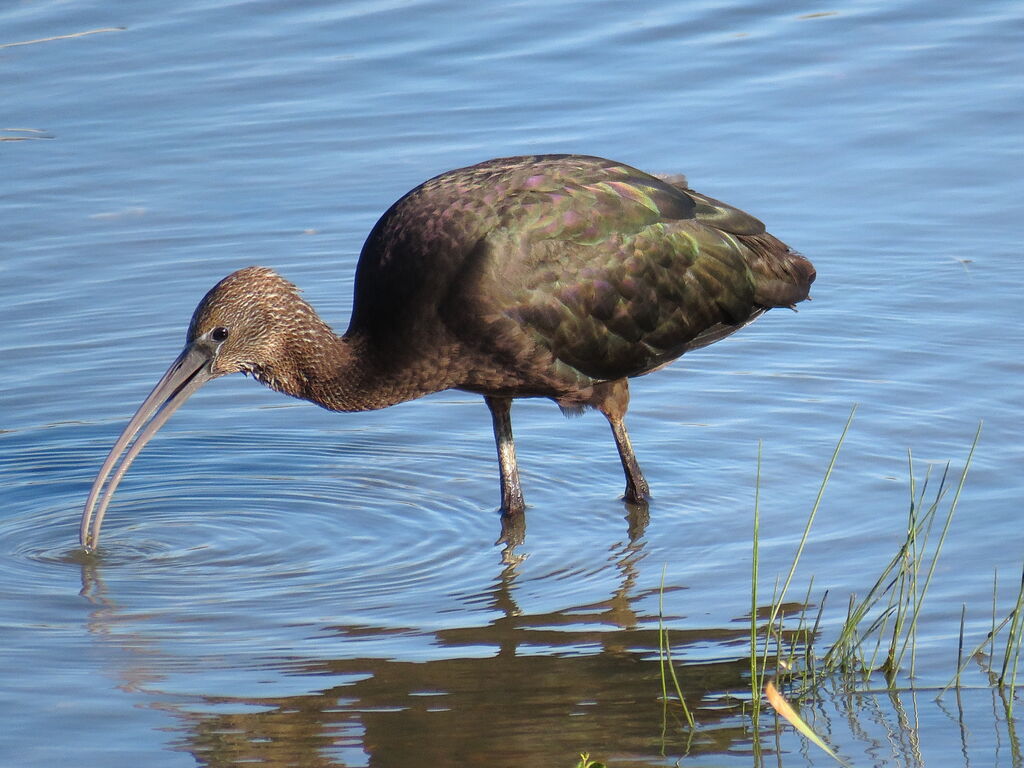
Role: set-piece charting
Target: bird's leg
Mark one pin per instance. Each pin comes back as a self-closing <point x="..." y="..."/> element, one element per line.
<point x="511" y="492"/>
<point x="612" y="399"/>
<point x="637" y="490"/>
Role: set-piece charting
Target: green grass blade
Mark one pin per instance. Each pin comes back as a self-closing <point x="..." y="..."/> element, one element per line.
<point x="814" y="511"/>
<point x="665" y="660"/>
<point x="755" y="679"/>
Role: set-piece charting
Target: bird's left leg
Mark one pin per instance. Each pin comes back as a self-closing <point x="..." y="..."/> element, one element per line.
<point x="612" y="399"/>
<point x="511" y="493"/>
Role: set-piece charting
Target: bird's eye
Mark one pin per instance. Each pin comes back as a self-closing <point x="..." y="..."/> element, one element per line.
<point x="220" y="333"/>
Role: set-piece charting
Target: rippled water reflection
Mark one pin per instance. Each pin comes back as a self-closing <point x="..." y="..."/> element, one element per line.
<point x="284" y="585"/>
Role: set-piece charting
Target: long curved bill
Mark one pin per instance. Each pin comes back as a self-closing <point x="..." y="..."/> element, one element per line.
<point x="187" y="373"/>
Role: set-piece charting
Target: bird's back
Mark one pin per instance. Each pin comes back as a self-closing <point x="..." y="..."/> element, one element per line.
<point x="538" y="275"/>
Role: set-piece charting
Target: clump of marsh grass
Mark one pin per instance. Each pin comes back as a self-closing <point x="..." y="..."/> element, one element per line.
<point x="880" y="629"/>
<point x="878" y="635"/>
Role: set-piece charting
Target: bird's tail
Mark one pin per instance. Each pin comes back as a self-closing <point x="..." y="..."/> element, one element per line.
<point x="783" y="276"/>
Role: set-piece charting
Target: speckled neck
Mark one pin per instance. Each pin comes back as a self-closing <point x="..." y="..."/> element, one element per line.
<point x="340" y="373"/>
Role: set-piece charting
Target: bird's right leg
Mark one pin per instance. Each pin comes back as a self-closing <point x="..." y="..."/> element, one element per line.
<point x="511" y="493"/>
<point x="612" y="399"/>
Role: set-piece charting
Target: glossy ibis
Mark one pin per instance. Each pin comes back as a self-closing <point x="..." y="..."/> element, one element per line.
<point x="555" y="276"/>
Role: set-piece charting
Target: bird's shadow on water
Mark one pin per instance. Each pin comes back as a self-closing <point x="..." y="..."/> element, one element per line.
<point x="499" y="669"/>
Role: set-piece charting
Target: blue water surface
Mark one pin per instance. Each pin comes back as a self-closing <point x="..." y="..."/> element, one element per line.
<point x="283" y="585"/>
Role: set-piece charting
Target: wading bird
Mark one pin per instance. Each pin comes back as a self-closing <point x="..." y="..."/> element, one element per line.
<point x="556" y="276"/>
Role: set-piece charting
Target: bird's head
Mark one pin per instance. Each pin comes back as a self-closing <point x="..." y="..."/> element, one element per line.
<point x="250" y="322"/>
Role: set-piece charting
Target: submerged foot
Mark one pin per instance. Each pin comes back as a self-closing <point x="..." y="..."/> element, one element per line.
<point x="513" y="528"/>
<point x="639" y="494"/>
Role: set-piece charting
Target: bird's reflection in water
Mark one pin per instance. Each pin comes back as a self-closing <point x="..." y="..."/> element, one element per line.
<point x="524" y="688"/>
<point x="513" y="530"/>
<point x="144" y="659"/>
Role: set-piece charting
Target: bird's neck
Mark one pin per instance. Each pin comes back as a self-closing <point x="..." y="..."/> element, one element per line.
<point x="340" y="373"/>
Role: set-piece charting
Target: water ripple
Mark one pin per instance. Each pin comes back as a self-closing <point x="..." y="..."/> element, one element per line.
<point x="297" y="532"/>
